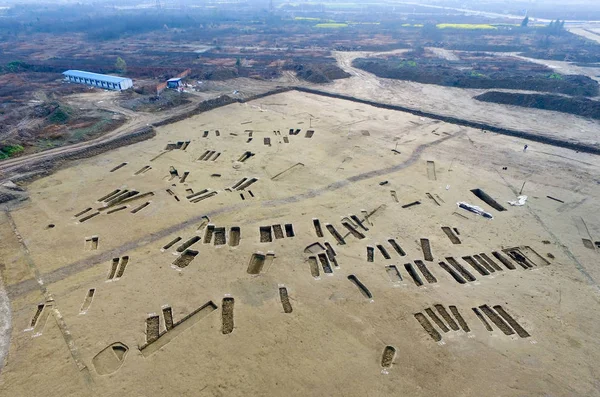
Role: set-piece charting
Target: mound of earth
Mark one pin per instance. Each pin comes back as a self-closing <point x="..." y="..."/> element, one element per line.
<point x="566" y="55"/>
<point x="220" y="74"/>
<point x="168" y="99"/>
<point x="53" y="124"/>
<point x="458" y="75"/>
<point x="319" y="74"/>
<point x="577" y="106"/>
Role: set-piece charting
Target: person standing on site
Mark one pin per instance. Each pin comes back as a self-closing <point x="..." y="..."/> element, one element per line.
<point x="525" y="148"/>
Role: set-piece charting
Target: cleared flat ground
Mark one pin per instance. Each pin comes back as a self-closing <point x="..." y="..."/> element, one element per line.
<point x="247" y="342"/>
<point x="591" y="34"/>
<point x="460" y="102"/>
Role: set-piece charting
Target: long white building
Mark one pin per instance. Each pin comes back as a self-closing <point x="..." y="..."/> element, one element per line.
<point x="98" y="80"/>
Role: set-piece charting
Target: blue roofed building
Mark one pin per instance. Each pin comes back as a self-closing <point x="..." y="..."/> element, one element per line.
<point x="174" y="83"/>
<point x="104" y="81"/>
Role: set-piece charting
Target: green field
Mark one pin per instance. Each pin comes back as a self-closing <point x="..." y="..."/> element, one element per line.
<point x="331" y="25"/>
<point x="306" y="19"/>
<point x="467" y="26"/>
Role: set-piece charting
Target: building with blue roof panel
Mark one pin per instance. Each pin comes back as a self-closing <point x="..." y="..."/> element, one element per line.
<point x="174" y="83"/>
<point x="104" y="81"/>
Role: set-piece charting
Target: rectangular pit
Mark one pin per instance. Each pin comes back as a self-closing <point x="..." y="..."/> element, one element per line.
<point x="234" y="236"/>
<point x="266" y="235"/>
<point x="488" y="199"/>
<point x="185" y="259"/>
<point x="256" y="264"/>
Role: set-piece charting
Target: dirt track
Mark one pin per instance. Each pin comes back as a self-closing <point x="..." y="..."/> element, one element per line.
<point x="135" y="121"/>
<point x="108" y="100"/>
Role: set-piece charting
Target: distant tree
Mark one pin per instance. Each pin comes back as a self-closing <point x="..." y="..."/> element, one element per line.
<point x="525" y="21"/>
<point x="16" y="67"/>
<point x="238" y="64"/>
<point x="121" y="65"/>
<point x="556" y="27"/>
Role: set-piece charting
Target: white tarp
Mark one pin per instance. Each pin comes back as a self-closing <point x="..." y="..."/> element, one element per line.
<point x="475" y="209"/>
<point x="520" y="201"/>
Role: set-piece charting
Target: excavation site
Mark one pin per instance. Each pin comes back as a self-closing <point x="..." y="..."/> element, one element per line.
<point x="376" y="234"/>
<point x="297" y="244"/>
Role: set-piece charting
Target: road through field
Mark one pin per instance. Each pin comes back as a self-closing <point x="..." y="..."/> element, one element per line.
<point x="134" y="122"/>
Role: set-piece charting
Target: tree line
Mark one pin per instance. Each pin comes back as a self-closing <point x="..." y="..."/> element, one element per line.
<point x="554" y="27"/>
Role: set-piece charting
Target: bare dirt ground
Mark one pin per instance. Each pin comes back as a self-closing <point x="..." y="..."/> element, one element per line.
<point x="459" y="102"/>
<point x="591" y="34"/>
<point x="566" y="67"/>
<point x="456" y="102"/>
<point x="444" y="53"/>
<point x="112" y="305"/>
<point x="106" y="100"/>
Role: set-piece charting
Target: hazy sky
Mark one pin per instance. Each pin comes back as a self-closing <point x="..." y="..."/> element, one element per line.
<point x="564" y="9"/>
<point x="533" y="3"/>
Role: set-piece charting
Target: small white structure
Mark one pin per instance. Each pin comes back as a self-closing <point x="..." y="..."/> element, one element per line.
<point x="98" y="80"/>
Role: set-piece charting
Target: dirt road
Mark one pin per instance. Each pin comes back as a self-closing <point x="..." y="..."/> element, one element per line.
<point x="107" y="102"/>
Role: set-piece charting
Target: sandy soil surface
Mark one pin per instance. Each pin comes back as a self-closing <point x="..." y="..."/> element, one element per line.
<point x="459" y="102"/>
<point x="101" y="307"/>
<point x="444" y="53"/>
<point x="591" y="34"/>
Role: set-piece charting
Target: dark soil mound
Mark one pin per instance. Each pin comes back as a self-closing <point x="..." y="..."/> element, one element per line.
<point x="448" y="74"/>
<point x="220" y="74"/>
<point x="567" y="55"/>
<point x="168" y="99"/>
<point x="577" y="106"/>
<point x="319" y="73"/>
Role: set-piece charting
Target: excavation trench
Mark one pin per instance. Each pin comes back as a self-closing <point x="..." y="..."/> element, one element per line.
<point x="26" y="286"/>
